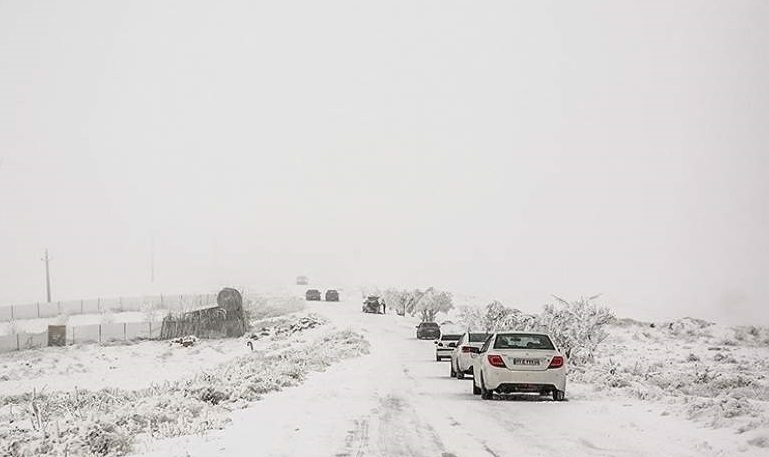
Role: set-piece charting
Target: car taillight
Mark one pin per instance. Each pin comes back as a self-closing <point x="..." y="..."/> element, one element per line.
<point x="557" y="362"/>
<point x="496" y="361"/>
<point x="467" y="349"/>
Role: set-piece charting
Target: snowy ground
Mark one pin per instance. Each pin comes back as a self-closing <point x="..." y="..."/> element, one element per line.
<point x="398" y="401"/>
<point x="684" y="387"/>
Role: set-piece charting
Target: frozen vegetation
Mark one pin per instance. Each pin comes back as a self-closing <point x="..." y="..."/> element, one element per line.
<point x="714" y="375"/>
<point x="110" y="420"/>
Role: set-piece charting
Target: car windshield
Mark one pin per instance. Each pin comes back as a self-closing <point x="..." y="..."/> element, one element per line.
<point x="478" y="337"/>
<point x="450" y="337"/>
<point x="522" y="341"/>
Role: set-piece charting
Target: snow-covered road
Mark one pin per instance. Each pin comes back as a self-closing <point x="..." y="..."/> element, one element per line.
<point x="398" y="401"/>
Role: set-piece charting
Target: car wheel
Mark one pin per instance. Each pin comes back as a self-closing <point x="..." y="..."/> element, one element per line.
<point x="559" y="395"/>
<point x="453" y="373"/>
<point x="437" y="358"/>
<point x="476" y="389"/>
<point x="485" y="393"/>
<point x="460" y="374"/>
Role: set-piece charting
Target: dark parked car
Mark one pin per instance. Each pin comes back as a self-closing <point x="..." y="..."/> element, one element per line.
<point x="372" y="305"/>
<point x="428" y="331"/>
<point x="332" y="295"/>
<point x="312" y="295"/>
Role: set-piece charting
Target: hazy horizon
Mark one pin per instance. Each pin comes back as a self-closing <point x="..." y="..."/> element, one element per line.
<point x="505" y="149"/>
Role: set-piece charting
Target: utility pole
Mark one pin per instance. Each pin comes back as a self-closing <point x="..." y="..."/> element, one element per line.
<point x="47" y="260"/>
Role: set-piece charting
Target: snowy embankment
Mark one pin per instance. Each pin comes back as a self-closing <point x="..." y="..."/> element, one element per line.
<point x="715" y="375"/>
<point x="104" y="419"/>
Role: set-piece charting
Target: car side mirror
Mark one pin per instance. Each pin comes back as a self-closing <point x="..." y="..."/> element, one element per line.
<point x="475" y="350"/>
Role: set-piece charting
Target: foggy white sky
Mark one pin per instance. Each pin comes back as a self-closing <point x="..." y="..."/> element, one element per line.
<point x="514" y="149"/>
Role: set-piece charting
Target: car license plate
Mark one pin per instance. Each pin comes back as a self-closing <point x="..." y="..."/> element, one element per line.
<point x="525" y="361"/>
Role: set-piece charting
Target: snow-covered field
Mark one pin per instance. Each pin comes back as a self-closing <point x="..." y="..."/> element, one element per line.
<point x="361" y="384"/>
<point x="714" y="375"/>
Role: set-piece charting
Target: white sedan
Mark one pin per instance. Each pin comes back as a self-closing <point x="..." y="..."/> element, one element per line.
<point x="519" y="363"/>
<point x="466" y="350"/>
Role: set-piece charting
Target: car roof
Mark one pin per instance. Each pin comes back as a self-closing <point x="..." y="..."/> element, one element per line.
<point x="505" y="332"/>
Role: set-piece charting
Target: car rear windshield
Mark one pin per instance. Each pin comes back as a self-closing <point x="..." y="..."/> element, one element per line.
<point x="523" y="341"/>
<point x="450" y="337"/>
<point x="478" y="337"/>
<point x="428" y="324"/>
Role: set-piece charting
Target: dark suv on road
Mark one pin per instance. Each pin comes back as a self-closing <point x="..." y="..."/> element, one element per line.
<point x="312" y="295"/>
<point x="428" y="331"/>
<point x="332" y="295"/>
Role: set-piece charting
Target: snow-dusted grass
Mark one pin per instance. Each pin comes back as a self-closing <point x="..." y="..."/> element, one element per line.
<point x="715" y="375"/>
<point x="108" y="421"/>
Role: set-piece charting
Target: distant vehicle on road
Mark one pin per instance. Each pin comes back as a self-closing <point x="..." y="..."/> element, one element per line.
<point x="445" y="345"/>
<point x="302" y="281"/>
<point x="467" y="349"/>
<point x="428" y="331"/>
<point x="372" y="305"/>
<point x="332" y="295"/>
<point x="519" y="363"/>
<point x="312" y="295"/>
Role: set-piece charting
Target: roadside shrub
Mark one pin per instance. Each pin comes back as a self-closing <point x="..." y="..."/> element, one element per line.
<point x="106" y="439"/>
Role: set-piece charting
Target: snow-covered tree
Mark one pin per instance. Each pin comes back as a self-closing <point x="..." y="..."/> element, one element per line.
<point x="431" y="303"/>
<point x="397" y="299"/>
<point x="470" y="317"/>
<point x="577" y="326"/>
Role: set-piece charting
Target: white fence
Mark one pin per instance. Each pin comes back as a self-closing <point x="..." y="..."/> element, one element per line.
<point x="77" y="334"/>
<point x="98" y="305"/>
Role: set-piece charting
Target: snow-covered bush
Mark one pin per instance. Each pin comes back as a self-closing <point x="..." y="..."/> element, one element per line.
<point x="103" y="438"/>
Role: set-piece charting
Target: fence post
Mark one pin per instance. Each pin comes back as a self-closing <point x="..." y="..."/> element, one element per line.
<point x="125" y="332"/>
<point x="38" y="309"/>
<point x="73" y="334"/>
<point x="99" y="333"/>
<point x="12" y="312"/>
<point x="81" y="306"/>
<point x="18" y="345"/>
<point x="98" y="304"/>
<point x="150" y="335"/>
<point x="59" y="305"/>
